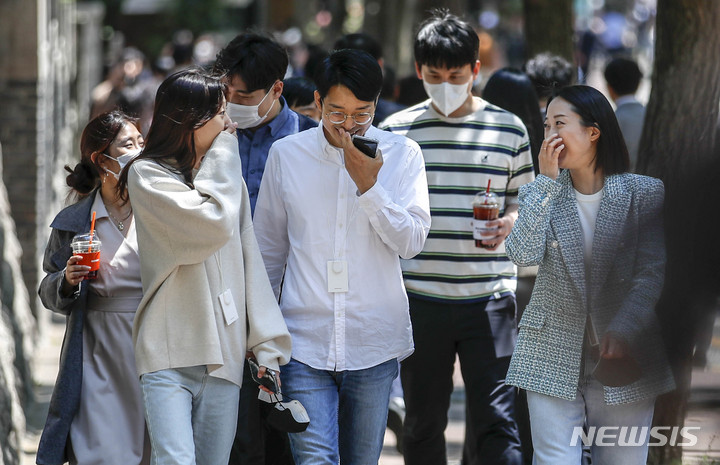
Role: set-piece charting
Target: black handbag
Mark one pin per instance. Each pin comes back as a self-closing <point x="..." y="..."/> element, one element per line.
<point x="611" y="372"/>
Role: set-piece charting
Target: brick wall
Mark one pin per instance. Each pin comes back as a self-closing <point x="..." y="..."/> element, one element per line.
<point x="39" y="86"/>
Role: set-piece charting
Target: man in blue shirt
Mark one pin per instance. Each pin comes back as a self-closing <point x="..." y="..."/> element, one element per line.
<point x="253" y="67"/>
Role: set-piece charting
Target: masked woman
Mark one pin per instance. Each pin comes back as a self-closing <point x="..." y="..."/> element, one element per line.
<point x="589" y="349"/>
<point x="207" y="298"/>
<point x="96" y="413"/>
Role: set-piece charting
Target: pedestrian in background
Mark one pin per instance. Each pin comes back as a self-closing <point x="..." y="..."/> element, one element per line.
<point x="548" y="72"/>
<point x="253" y="68"/>
<point x="462" y="297"/>
<point x="96" y="414"/>
<point x="207" y="299"/>
<point x="597" y="234"/>
<point x="300" y="95"/>
<point x="512" y="90"/>
<point x="623" y="78"/>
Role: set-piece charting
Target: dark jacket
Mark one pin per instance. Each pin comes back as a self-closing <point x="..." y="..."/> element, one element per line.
<point x="65" y="399"/>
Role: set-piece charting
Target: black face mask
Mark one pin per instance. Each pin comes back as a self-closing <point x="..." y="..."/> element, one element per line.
<point x="290" y="417"/>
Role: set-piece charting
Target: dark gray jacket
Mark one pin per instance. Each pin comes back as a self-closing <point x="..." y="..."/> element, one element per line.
<point x="66" y="394"/>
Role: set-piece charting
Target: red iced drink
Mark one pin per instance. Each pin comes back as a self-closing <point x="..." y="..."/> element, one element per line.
<point x="485" y="208"/>
<point x="88" y="248"/>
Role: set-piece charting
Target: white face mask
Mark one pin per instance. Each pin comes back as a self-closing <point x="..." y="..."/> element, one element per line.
<point x="247" y="116"/>
<point x="447" y="97"/>
<point x="122" y="160"/>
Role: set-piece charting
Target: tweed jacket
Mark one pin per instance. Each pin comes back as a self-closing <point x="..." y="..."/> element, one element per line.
<point x="626" y="277"/>
<point x="66" y="394"/>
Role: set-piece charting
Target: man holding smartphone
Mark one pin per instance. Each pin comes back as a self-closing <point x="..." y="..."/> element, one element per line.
<point x="462" y="297"/>
<point x="338" y="221"/>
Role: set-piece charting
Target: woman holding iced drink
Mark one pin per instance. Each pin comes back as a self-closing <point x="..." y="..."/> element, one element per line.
<point x="96" y="413"/>
<point x="589" y="349"/>
<point x="207" y="296"/>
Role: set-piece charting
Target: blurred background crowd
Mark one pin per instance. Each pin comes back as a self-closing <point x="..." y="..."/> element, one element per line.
<point x="145" y="41"/>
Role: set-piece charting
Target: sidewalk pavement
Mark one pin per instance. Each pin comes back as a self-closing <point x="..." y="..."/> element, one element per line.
<point x="703" y="410"/>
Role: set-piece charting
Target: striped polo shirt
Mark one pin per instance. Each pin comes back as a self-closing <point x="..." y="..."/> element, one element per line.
<point x="461" y="155"/>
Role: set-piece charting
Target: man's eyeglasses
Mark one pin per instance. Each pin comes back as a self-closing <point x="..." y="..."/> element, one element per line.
<point x="338" y="117"/>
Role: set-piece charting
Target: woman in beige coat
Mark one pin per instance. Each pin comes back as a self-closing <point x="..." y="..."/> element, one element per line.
<point x="207" y="298"/>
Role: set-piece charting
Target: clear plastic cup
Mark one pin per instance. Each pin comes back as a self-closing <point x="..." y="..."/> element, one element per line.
<point x="88" y="247"/>
<point x="486" y="207"/>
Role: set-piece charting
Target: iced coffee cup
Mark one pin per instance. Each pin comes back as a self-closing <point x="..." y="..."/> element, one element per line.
<point x="485" y="208"/>
<point x="88" y="247"/>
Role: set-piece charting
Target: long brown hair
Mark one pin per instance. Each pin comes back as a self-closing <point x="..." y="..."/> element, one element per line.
<point x="185" y="101"/>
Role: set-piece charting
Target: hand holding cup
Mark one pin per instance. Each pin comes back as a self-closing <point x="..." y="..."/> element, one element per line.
<point x="74" y="272"/>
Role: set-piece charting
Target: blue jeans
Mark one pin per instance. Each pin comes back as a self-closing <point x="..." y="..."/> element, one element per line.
<point x="347" y="410"/>
<point x="191" y="416"/>
<point x="552" y="421"/>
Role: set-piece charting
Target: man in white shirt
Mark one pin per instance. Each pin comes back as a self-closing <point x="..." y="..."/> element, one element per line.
<point x="338" y="221"/>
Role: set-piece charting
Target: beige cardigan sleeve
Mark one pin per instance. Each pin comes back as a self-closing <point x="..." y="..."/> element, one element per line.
<point x="268" y="336"/>
<point x="191" y="224"/>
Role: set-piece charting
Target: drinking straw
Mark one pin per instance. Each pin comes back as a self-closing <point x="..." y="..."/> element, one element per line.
<point x="92" y="231"/>
<point x="487" y="191"/>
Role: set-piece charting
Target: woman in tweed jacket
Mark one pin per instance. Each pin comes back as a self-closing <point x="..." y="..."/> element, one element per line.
<point x="596" y="233"/>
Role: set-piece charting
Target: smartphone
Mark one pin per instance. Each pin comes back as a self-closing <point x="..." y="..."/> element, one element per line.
<point x="365" y="145"/>
<point x="268" y="380"/>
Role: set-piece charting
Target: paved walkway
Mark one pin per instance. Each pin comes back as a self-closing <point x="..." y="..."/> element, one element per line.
<point x="704" y="406"/>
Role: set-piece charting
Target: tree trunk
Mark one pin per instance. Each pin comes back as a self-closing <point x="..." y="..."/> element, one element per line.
<point x="679" y="146"/>
<point x="549" y="27"/>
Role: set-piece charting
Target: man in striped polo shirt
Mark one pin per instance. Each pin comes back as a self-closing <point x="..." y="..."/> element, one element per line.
<point x="462" y="297"/>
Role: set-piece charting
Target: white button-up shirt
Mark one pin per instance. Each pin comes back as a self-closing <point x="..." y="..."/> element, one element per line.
<point x="308" y="213"/>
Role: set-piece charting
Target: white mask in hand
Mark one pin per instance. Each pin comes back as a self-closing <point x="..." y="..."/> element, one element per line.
<point x="447" y="97"/>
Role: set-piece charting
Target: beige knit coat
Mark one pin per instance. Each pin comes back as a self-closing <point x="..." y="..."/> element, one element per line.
<point x="195" y="242"/>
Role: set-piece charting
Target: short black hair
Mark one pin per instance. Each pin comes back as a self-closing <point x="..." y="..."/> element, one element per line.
<point x="548" y="73"/>
<point x="257" y="59"/>
<point x="623" y="75"/>
<point x="355" y="69"/>
<point x="316" y="55"/>
<point x="411" y="91"/>
<point x="298" y="91"/>
<point x="595" y="110"/>
<point x="360" y="41"/>
<point x="444" y="40"/>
